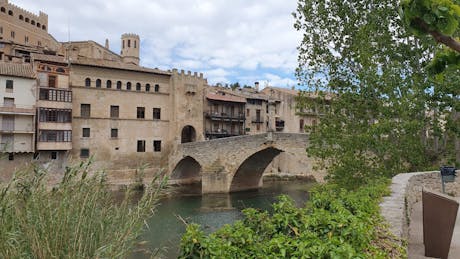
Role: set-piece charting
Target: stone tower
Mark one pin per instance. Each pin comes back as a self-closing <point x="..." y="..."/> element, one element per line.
<point x="130" y="44"/>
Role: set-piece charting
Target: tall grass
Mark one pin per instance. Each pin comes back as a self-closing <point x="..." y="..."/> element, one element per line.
<point x="76" y="219"/>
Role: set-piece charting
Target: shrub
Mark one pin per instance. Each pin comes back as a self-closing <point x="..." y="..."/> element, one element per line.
<point x="335" y="223"/>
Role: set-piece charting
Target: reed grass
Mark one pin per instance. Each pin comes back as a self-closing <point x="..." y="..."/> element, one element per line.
<point x="78" y="218"/>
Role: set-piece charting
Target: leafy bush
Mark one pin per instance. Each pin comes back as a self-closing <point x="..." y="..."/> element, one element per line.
<point x="76" y="219"/>
<point x="335" y="223"/>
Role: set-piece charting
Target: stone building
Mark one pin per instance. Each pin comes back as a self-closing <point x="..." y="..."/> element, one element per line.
<point x="17" y="116"/>
<point x="54" y="111"/>
<point x="22" y="32"/>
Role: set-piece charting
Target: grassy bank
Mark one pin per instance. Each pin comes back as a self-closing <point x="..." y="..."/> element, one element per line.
<point x="76" y="219"/>
<point x="335" y="223"/>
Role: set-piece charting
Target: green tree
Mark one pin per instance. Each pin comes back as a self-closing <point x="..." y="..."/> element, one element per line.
<point x="361" y="54"/>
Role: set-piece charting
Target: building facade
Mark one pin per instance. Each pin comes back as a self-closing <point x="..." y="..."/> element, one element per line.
<point x="17" y="116"/>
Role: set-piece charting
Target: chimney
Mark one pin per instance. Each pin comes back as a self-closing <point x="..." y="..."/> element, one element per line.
<point x="256" y="86"/>
<point x="107" y="44"/>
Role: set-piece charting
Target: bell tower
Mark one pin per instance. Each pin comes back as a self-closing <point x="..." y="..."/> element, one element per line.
<point x="130" y="45"/>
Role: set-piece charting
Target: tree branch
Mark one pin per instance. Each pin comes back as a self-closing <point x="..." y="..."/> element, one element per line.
<point x="439" y="37"/>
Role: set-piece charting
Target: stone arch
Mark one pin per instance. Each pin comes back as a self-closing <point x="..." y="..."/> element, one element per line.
<point x="188" y="134"/>
<point x="249" y="174"/>
<point x="186" y="171"/>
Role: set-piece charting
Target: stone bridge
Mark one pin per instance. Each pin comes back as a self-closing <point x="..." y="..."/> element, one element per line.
<point x="235" y="163"/>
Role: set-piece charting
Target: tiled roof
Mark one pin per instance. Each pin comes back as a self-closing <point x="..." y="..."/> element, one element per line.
<point x="225" y="98"/>
<point x="16" y="69"/>
<point x="116" y="65"/>
<point x="49" y="58"/>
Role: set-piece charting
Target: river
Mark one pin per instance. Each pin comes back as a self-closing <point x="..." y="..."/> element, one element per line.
<point x="211" y="211"/>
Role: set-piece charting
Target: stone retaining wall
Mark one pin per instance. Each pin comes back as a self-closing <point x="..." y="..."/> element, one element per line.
<point x="406" y="190"/>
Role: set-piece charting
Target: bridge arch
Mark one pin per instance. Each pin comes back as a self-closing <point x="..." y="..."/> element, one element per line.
<point x="186" y="171"/>
<point x="249" y="174"/>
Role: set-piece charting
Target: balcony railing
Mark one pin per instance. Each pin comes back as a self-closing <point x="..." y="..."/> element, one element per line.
<point x="225" y="116"/>
<point x="257" y="120"/>
<point x="6" y="108"/>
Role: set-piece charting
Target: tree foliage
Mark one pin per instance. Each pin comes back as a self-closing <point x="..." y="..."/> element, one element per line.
<point x="439" y="19"/>
<point x="384" y="112"/>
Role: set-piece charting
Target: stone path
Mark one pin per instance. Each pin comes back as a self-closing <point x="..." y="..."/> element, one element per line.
<point x="416" y="249"/>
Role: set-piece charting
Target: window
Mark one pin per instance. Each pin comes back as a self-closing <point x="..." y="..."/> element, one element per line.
<point x="129" y="43"/>
<point x="98" y="83"/>
<point x="114" y="111"/>
<point x="9" y="84"/>
<point x="128" y="86"/>
<point x="138" y="86"/>
<point x="8" y="102"/>
<point x="12" y="34"/>
<point x="157" y="145"/>
<point x="87" y="82"/>
<point x="119" y="85"/>
<point x="43" y="27"/>
<point x="157" y="88"/>
<point x="141" y="146"/>
<point x="108" y="84"/>
<point x="86" y="132"/>
<point x="11" y="156"/>
<point x="10" y="12"/>
<point x="55" y="115"/>
<point x="114" y="133"/>
<point x="32" y="22"/>
<point x="55" y="136"/>
<point x="51" y="81"/>
<point x="141" y="112"/>
<point x="135" y="44"/>
<point x="147" y="87"/>
<point x="26" y="39"/>
<point x="301" y="125"/>
<point x="84" y="153"/>
<point x="3" y="9"/>
<point x="27" y="19"/>
<point x="123" y="43"/>
<point x="60" y="70"/>
<point x="156" y="113"/>
<point x="55" y="95"/>
<point x="53" y="155"/>
<point x="38" y="25"/>
<point x="85" y="110"/>
<point x="21" y="17"/>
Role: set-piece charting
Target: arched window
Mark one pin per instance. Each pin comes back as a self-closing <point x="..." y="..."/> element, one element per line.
<point x="60" y="70"/>
<point x="128" y="86"/>
<point x="21" y="17"/>
<point x="32" y="22"/>
<point x="10" y="12"/>
<point x="138" y="86"/>
<point x="108" y="84"/>
<point x="147" y="87"/>
<point x="3" y="9"/>
<point x="98" y="83"/>
<point x="87" y="82"/>
<point x="129" y="43"/>
<point x="119" y="85"/>
<point x="27" y="19"/>
<point x="38" y="25"/>
<point x="43" y="27"/>
<point x="157" y="88"/>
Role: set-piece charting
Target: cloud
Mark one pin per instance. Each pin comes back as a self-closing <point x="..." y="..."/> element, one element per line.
<point x="226" y="40"/>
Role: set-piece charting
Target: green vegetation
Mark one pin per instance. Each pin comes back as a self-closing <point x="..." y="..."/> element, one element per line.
<point x="78" y="218"/>
<point x="335" y="223"/>
<point x="439" y="19"/>
<point x="386" y="115"/>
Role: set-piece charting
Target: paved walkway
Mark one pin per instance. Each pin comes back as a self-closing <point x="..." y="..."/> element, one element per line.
<point x="416" y="247"/>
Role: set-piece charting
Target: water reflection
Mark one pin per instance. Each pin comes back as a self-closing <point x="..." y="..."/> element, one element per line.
<point x="211" y="211"/>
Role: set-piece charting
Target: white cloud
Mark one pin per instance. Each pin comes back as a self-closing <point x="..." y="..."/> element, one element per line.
<point x="238" y="37"/>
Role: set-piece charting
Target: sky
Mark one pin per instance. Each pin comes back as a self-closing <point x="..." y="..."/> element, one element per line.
<point x="227" y="40"/>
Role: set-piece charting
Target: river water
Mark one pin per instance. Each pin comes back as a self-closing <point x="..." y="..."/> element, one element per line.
<point x="210" y="211"/>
